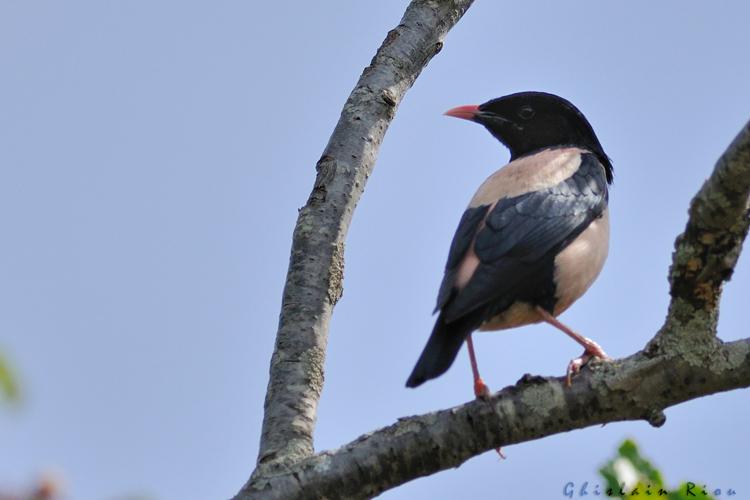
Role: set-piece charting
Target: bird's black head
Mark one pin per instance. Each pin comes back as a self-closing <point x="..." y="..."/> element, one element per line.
<point x="527" y="122"/>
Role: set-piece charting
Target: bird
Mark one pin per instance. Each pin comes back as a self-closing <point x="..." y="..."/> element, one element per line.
<point x="533" y="238"/>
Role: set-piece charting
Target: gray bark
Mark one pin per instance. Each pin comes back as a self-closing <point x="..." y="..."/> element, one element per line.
<point x="684" y="360"/>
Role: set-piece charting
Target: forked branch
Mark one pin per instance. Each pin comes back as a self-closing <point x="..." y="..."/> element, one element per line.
<point x="684" y="360"/>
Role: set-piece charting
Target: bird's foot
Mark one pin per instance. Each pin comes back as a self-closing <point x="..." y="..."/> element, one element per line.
<point x="593" y="350"/>
<point x="575" y="366"/>
<point x="481" y="391"/>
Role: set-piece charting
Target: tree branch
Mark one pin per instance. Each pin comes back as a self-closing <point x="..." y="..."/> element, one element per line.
<point x="706" y="253"/>
<point x="634" y="388"/>
<point x="314" y="279"/>
<point x="685" y="360"/>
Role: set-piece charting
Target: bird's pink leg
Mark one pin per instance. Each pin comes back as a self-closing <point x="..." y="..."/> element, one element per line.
<point x="590" y="347"/>
<point x="481" y="390"/>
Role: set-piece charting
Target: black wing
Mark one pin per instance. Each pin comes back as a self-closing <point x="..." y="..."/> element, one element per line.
<point x="467" y="229"/>
<point x="519" y="240"/>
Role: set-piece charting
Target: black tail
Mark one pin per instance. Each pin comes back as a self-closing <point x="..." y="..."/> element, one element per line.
<point x="441" y="349"/>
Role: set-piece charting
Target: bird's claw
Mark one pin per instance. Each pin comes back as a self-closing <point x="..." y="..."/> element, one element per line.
<point x="481" y="391"/>
<point x="575" y="365"/>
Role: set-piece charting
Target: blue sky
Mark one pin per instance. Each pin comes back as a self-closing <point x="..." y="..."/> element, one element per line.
<point x="153" y="156"/>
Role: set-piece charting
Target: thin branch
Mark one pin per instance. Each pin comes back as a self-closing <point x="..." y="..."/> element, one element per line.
<point x="634" y="388"/>
<point x="314" y="279"/>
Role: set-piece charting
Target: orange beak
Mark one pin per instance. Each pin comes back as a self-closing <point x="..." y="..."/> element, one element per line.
<point x="465" y="112"/>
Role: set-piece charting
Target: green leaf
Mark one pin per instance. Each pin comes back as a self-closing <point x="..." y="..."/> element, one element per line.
<point x="631" y="468"/>
<point x="8" y="385"/>
<point x="629" y="450"/>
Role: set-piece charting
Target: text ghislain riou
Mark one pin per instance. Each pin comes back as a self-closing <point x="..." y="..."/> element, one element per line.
<point x="571" y="490"/>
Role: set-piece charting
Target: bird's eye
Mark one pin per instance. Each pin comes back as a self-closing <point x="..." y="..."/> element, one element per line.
<point x="526" y="112"/>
